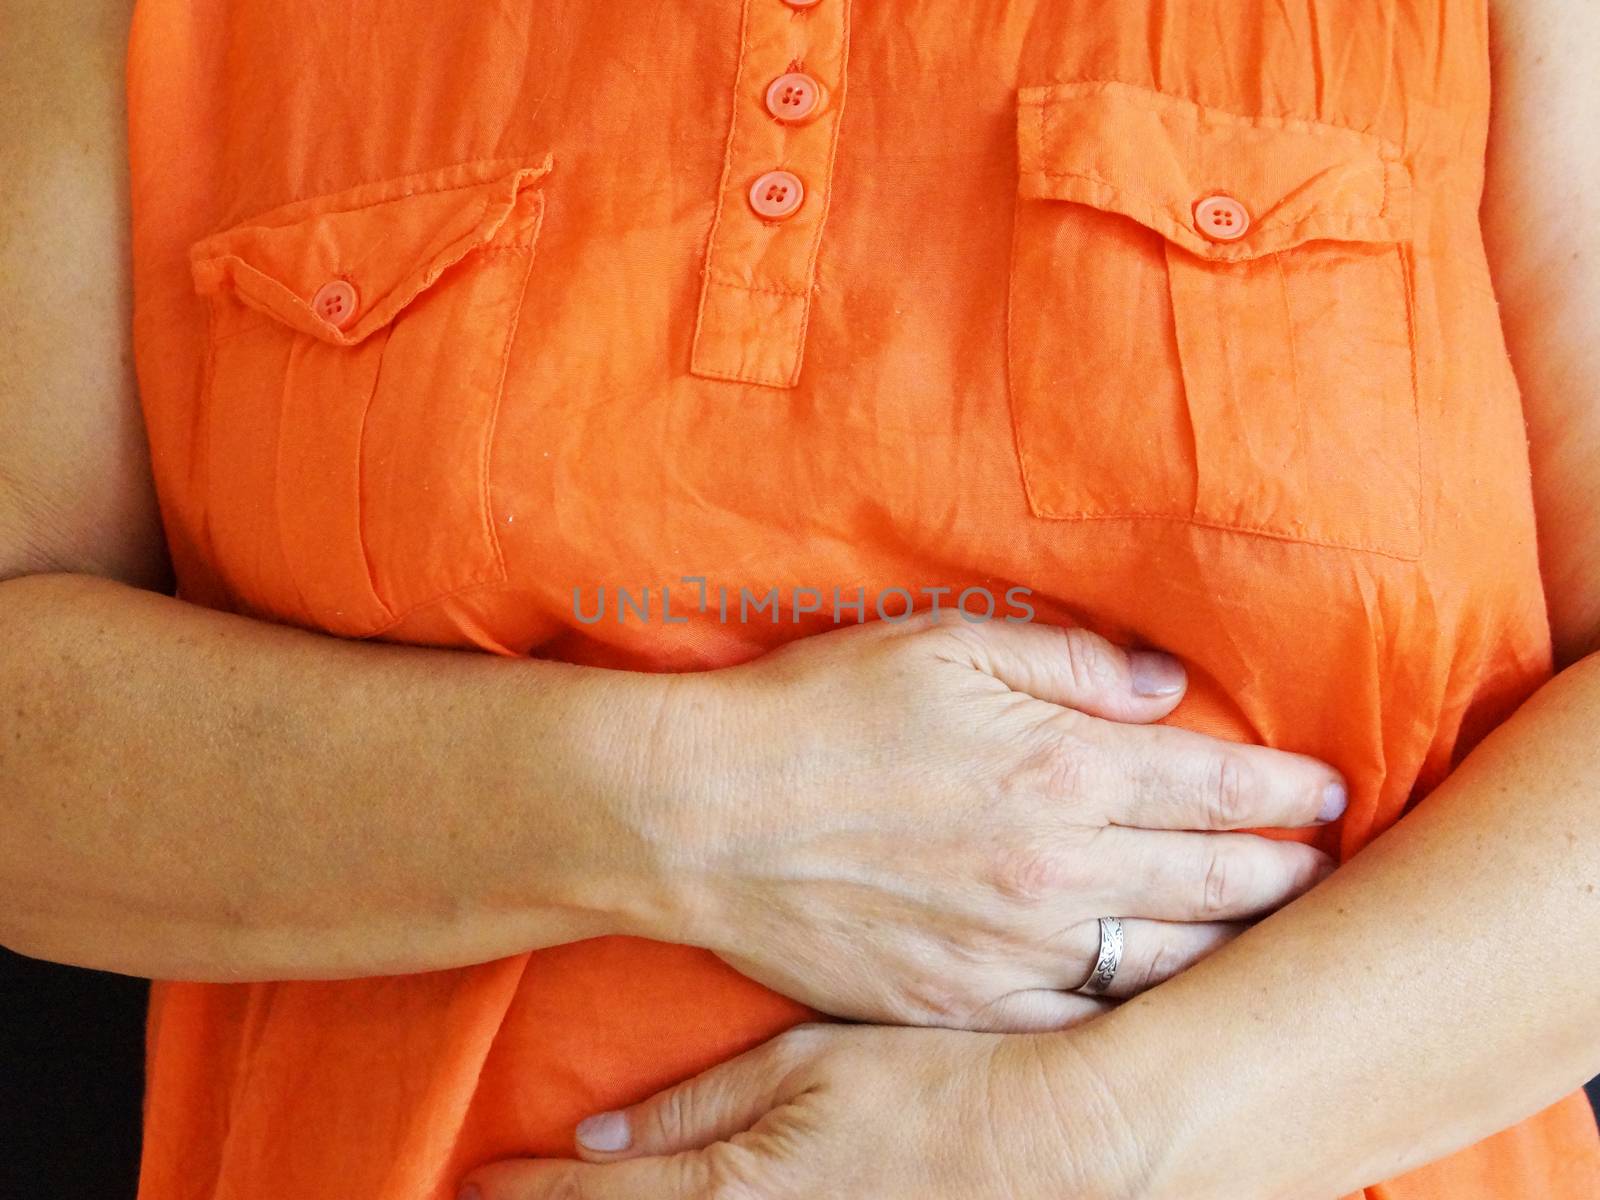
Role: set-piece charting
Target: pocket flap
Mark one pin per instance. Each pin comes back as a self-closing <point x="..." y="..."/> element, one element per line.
<point x="1153" y="157"/>
<point x="389" y="240"/>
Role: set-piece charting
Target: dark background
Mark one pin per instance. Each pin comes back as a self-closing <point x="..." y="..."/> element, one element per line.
<point x="71" y="1057"/>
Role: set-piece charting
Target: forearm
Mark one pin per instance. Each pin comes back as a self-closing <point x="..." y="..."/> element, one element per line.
<point x="1439" y="988"/>
<point x="190" y="794"/>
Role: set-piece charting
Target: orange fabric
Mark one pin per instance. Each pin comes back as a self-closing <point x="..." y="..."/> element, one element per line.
<point x="992" y="348"/>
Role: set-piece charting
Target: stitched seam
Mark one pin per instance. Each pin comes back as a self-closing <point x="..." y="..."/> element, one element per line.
<point x="486" y="510"/>
<point x="1294" y="363"/>
<point x="1416" y="388"/>
<point x="722" y="187"/>
<point x="740" y="377"/>
<point x="1011" y="349"/>
<point x="1267" y="120"/>
<point x="255" y="220"/>
<point x="1233" y="527"/>
<point x="361" y="473"/>
<point x="440" y="598"/>
<point x="203" y="411"/>
<point x="268" y="321"/>
<point x="712" y="280"/>
<point x="1159" y="219"/>
<point x="837" y="116"/>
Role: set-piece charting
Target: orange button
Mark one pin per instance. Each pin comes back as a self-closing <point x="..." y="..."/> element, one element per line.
<point x="335" y="302"/>
<point x="776" y="195"/>
<point x="1221" y="218"/>
<point x="794" y="97"/>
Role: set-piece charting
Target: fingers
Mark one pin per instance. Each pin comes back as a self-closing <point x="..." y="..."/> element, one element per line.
<point x="712" y="1107"/>
<point x="1170" y="876"/>
<point x="1152" y="952"/>
<point x="1070" y="667"/>
<point x="1167" y="778"/>
<point x="673" y="1146"/>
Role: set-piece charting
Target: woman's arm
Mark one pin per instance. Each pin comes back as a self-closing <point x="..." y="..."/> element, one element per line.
<point x="1447" y="982"/>
<point x="1541" y="217"/>
<point x="189" y="794"/>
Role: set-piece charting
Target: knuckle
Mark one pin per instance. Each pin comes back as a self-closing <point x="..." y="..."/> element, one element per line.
<point x="1030" y="872"/>
<point x="730" y="1172"/>
<point x="672" y="1116"/>
<point x="1223" y="883"/>
<point x="1228" y="794"/>
<point x="1066" y="763"/>
<point x="971" y="951"/>
<point x="1055" y="761"/>
<point x="1162" y="965"/>
<point x="799" y="1044"/>
<point x="567" y="1186"/>
<point x="1085" y="661"/>
<point x="948" y="623"/>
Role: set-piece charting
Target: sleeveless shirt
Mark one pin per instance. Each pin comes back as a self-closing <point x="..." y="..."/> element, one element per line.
<point x="655" y="336"/>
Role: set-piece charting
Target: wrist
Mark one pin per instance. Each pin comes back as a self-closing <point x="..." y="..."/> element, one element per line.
<point x="1116" y="1087"/>
<point x="658" y="750"/>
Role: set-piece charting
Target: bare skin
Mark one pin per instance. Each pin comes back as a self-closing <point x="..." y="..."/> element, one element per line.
<point x="190" y="794"/>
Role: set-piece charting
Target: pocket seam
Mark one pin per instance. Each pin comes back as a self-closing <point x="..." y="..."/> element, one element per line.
<point x="1388" y="149"/>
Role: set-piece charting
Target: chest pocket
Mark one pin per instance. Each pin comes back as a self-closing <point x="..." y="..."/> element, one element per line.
<point x="1211" y="320"/>
<point x="356" y="359"/>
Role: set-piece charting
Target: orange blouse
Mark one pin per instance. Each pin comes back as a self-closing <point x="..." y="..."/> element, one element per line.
<point x="454" y="322"/>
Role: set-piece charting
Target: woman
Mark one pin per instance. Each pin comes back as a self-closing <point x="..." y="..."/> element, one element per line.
<point x="1163" y="327"/>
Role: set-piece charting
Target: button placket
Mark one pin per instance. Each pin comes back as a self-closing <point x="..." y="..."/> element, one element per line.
<point x="760" y="263"/>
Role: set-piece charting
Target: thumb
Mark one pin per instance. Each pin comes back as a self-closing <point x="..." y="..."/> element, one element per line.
<point x="1071" y="667"/>
<point x="711" y="1107"/>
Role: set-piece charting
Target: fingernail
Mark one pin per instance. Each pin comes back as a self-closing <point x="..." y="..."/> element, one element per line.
<point x="606" y="1131"/>
<point x="1334" y="800"/>
<point x="1154" y="673"/>
<point x="470" y="1192"/>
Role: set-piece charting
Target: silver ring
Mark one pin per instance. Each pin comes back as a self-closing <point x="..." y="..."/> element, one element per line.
<point x="1105" y="966"/>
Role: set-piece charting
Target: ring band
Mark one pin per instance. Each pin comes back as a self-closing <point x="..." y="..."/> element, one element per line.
<point x="1105" y="966"/>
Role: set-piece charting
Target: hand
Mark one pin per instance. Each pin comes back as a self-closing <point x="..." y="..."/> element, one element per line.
<point x="919" y="823"/>
<point x="854" y="1113"/>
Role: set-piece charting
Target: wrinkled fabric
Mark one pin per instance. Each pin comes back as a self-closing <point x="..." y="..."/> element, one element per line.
<point x="992" y="350"/>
